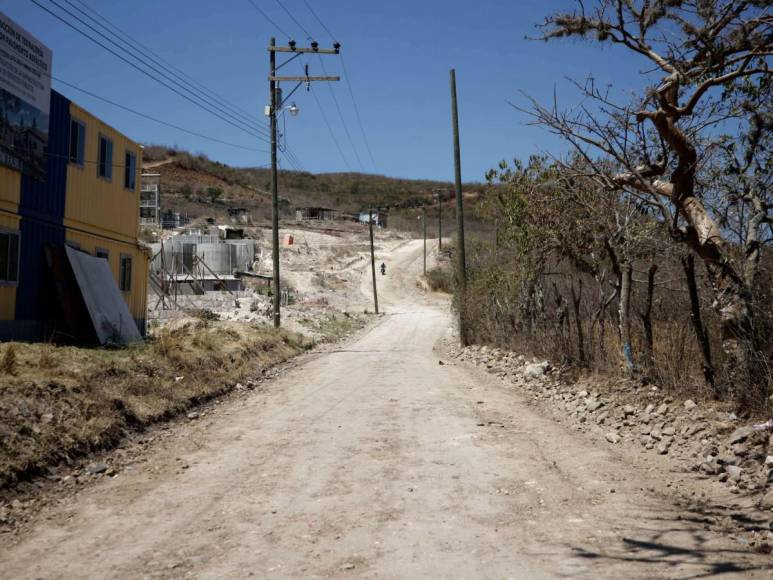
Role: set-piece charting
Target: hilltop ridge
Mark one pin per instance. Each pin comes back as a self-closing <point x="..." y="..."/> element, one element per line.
<point x="198" y="186"/>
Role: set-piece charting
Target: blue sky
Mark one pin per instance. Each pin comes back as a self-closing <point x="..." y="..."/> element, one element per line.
<point x="397" y="53"/>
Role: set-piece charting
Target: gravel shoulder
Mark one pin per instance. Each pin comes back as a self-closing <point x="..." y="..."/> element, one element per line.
<point x="375" y="460"/>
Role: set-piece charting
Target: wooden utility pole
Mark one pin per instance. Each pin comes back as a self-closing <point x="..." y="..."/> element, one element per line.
<point x="439" y="220"/>
<point x="373" y="260"/>
<point x="276" y="107"/>
<point x="461" y="275"/>
<point x="424" y="224"/>
<point x="274" y="187"/>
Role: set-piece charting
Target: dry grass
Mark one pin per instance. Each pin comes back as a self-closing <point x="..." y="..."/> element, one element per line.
<point x="440" y="280"/>
<point x="8" y="364"/>
<point x="60" y="402"/>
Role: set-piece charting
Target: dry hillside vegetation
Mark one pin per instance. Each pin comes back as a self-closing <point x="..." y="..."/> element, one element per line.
<point x="647" y="249"/>
<point x="200" y="187"/>
<point x="58" y="402"/>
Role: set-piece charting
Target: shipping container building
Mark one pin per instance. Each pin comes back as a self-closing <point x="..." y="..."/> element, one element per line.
<point x="89" y="200"/>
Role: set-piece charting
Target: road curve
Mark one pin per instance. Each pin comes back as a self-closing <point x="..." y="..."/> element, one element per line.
<point x="374" y="460"/>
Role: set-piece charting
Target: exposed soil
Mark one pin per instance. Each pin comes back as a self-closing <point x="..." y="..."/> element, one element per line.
<point x="380" y="458"/>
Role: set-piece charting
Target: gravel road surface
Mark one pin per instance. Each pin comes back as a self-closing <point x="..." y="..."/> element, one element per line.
<point x="376" y="460"/>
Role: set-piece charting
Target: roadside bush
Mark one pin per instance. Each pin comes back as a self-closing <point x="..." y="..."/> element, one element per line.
<point x="440" y="280"/>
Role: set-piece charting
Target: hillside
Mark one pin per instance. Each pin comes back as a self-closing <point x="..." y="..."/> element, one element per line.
<point x="200" y="187"/>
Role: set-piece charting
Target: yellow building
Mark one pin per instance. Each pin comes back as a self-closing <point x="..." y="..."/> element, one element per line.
<point x="89" y="200"/>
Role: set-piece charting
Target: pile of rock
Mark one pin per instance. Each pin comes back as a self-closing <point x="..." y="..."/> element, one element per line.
<point x="709" y="441"/>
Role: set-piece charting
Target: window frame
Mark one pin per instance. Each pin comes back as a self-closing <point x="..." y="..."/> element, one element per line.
<point x="102" y="253"/>
<point x="108" y="162"/>
<point x="80" y="146"/>
<point x="124" y="284"/>
<point x="16" y="234"/>
<point x="129" y="153"/>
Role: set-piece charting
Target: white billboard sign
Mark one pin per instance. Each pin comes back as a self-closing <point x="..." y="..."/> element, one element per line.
<point x="25" y="98"/>
<point x="25" y="65"/>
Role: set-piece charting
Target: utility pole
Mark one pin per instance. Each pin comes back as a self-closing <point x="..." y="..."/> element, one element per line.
<point x="372" y="259"/>
<point x="462" y="264"/>
<point x="439" y="220"/>
<point x="424" y="223"/>
<point x="274" y="187"/>
<point x="277" y="104"/>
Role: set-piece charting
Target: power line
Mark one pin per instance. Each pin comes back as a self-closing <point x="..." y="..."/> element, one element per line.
<point x="27" y="150"/>
<point x="348" y="84"/>
<point x="267" y="17"/>
<point x="158" y="59"/>
<point x="330" y="129"/>
<point x="138" y="113"/>
<point x="294" y="19"/>
<point x="138" y="68"/>
<point x="322" y="24"/>
<point x="142" y="57"/>
<point x="341" y="116"/>
<point x="357" y="114"/>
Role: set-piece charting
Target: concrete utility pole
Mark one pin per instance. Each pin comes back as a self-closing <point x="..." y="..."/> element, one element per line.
<point x="277" y="103"/>
<point x="373" y="260"/>
<point x="462" y="264"/>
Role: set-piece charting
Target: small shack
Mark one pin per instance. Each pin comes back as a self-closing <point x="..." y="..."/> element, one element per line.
<point x="316" y="213"/>
<point x="379" y="218"/>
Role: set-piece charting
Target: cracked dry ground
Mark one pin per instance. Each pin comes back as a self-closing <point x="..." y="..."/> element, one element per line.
<point x="373" y="460"/>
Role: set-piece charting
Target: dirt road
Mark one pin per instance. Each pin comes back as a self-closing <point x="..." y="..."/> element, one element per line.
<point x="375" y="460"/>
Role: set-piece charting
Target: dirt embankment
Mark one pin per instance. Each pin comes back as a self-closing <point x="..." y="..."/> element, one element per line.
<point x="58" y="403"/>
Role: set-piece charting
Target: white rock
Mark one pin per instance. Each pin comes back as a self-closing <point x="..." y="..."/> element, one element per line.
<point x="536" y="369"/>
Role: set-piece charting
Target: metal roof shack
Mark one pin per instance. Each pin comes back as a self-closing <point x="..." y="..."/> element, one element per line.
<point x="316" y="213"/>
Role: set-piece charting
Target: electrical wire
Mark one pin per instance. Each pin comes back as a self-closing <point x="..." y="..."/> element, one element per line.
<point x="162" y="62"/>
<point x="330" y="128"/>
<point x="322" y="24"/>
<point x="341" y="116"/>
<point x="357" y="114"/>
<point x="348" y="84"/>
<point x="60" y="156"/>
<point x="143" y="71"/>
<point x="133" y="52"/>
<point x="267" y="17"/>
<point x="143" y="115"/>
<point x="294" y="19"/>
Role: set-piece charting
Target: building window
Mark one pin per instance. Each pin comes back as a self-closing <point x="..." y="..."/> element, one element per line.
<point x="102" y="253"/>
<point x="105" y="164"/>
<point x="9" y="257"/>
<point x="77" y="142"/>
<point x="125" y="282"/>
<point x="130" y="171"/>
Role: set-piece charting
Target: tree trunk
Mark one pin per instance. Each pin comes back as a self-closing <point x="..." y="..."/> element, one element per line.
<point x="732" y="298"/>
<point x="624" y="312"/>
<point x="561" y="315"/>
<point x="688" y="263"/>
<point x="576" y="298"/>
<point x="646" y="319"/>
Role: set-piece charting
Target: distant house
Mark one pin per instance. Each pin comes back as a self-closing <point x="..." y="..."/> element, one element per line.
<point x="379" y="218"/>
<point x="150" y="199"/>
<point x="316" y="213"/>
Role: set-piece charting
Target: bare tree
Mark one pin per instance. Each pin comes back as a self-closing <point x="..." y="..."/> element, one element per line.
<point x="703" y="52"/>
